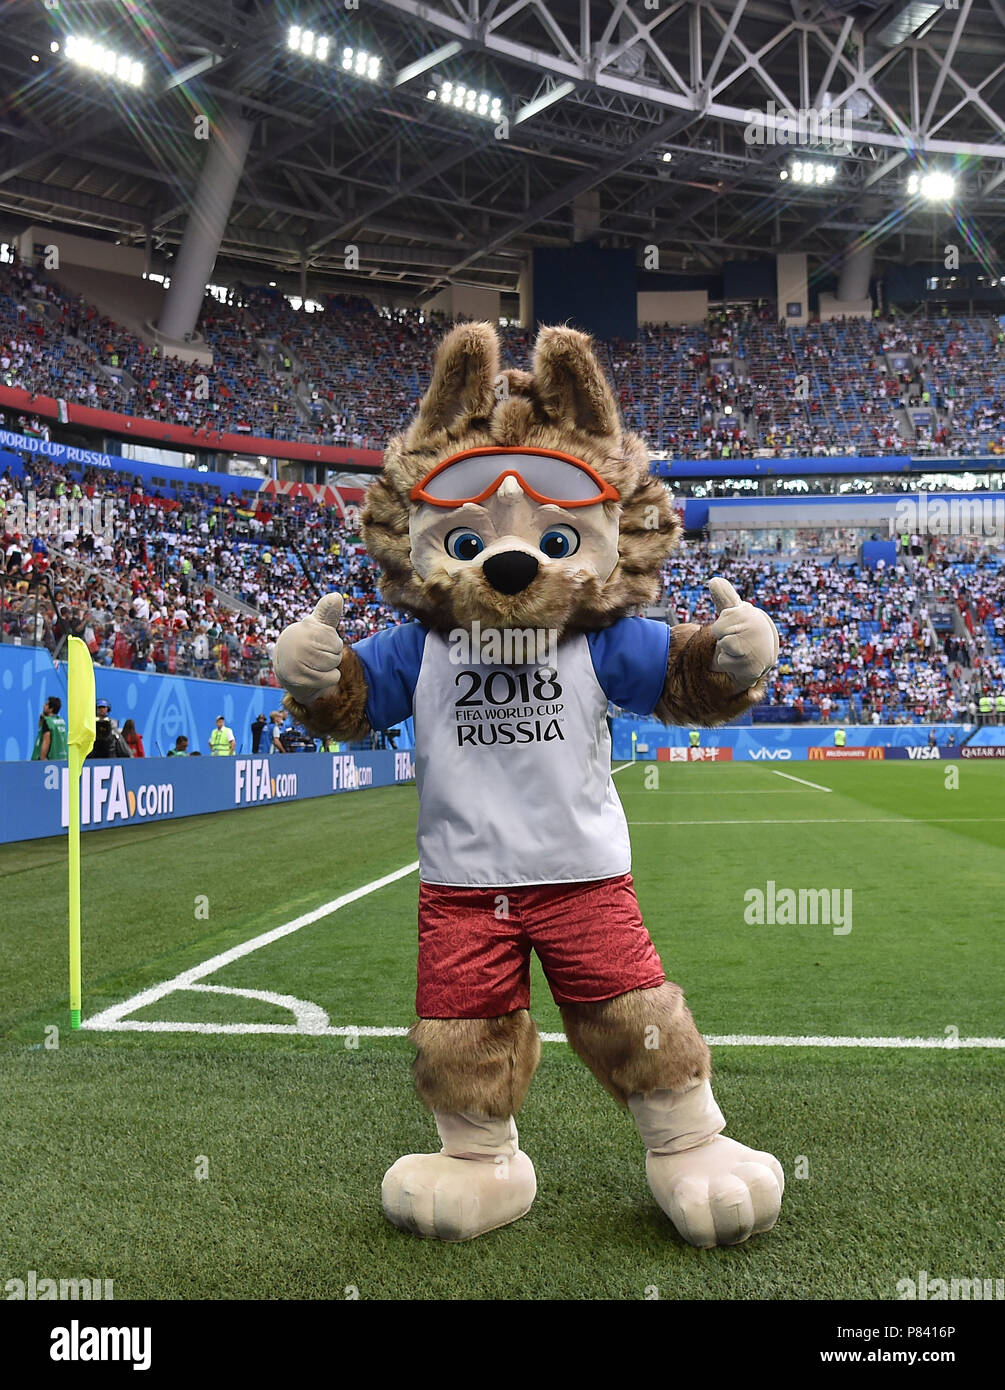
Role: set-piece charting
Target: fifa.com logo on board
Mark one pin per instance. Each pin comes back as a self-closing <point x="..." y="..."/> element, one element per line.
<point x="105" y="798"/>
<point x="255" y="781"/>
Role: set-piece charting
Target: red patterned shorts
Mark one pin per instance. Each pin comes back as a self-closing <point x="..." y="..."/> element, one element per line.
<point x="475" y="945"/>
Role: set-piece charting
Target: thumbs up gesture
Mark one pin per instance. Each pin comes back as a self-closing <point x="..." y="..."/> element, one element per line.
<point x="746" y="645"/>
<point x="309" y="653"/>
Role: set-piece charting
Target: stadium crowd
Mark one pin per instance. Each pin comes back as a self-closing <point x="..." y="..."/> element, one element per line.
<point x="857" y="644"/>
<point x="205" y="585"/>
<point x="739" y="385"/>
<point x="54" y="343"/>
<point x="201" y="587"/>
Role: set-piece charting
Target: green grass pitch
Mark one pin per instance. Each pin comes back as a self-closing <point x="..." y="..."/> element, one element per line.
<point x="185" y="1164"/>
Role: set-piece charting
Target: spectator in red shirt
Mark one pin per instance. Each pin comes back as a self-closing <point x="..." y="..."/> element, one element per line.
<point x="133" y="739"/>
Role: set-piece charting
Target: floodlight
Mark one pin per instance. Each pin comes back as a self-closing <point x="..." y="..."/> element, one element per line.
<point x="362" y="64"/>
<point x="935" y="186"/>
<point x="87" y="53"/>
<point x="469" y="99"/>
<point x="307" y="43"/>
<point x="810" y="171"/>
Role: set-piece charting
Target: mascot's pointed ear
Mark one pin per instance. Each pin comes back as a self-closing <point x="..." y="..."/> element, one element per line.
<point x="463" y="384"/>
<point x="571" y="388"/>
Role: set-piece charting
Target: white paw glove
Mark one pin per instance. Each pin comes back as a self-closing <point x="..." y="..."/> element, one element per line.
<point x="714" y="1190"/>
<point x="746" y="645"/>
<point x="720" y="1193"/>
<point x="308" y="654"/>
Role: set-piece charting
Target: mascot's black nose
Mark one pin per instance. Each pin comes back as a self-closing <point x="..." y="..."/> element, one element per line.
<point x="511" y="571"/>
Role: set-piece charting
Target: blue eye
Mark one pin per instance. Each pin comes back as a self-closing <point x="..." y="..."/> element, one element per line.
<point x="559" y="542"/>
<point x="463" y="544"/>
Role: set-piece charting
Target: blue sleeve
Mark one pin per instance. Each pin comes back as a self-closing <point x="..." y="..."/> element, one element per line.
<point x="630" y="660"/>
<point x="391" y="661"/>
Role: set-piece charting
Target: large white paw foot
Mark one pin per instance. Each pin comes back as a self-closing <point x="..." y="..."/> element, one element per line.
<point x="457" y="1198"/>
<point x="720" y="1193"/>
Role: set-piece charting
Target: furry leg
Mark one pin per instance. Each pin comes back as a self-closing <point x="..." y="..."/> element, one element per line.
<point x="473" y="1074"/>
<point x="642" y="1041"/>
<point x="483" y="1065"/>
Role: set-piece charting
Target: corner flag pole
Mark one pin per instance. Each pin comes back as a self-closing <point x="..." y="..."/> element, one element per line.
<point x="80" y="740"/>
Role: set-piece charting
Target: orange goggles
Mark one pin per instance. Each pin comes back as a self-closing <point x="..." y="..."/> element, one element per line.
<point x="544" y="475"/>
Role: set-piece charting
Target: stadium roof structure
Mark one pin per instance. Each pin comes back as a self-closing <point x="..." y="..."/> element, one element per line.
<point x="631" y="122"/>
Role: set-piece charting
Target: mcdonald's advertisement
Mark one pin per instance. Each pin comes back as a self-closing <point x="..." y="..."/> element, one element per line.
<point x="874" y="753"/>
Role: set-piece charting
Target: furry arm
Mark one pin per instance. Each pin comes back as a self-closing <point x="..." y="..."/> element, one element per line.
<point x="324" y="680"/>
<point x="339" y="711"/>
<point x="695" y="694"/>
<point x="714" y="673"/>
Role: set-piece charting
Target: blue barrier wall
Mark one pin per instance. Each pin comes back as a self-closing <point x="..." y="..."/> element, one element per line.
<point x="162" y="706"/>
<point x="128" y="791"/>
<point x="990" y="736"/>
<point x="799" y="511"/>
<point x="824" y="465"/>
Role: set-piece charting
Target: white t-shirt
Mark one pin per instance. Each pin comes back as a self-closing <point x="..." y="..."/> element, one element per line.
<point x="513" y="761"/>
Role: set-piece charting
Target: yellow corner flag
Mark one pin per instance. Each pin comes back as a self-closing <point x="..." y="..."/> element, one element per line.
<point x="80" y="721"/>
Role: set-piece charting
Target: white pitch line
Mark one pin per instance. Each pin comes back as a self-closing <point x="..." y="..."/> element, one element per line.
<point x="310" y="1018"/>
<point x="815" y="785"/>
<point x="943" y="1044"/>
<point x="940" y="1044"/>
<point x="117" y="1012"/>
<point x="713" y="1040"/>
<point x="835" y="820"/>
<point x="142" y="1025"/>
<point x="309" y="1015"/>
<point x="726" y="791"/>
<point x="616" y="770"/>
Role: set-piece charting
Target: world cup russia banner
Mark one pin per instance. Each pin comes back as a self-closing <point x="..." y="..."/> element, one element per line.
<point x="694" y="755"/>
<point x="873" y="753"/>
<point x="62" y="453"/>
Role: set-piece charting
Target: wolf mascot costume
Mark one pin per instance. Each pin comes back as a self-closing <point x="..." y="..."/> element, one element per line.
<point x="516" y="509"/>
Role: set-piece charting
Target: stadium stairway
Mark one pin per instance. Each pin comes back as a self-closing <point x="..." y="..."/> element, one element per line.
<point x="111" y="586"/>
<point x="226" y="599"/>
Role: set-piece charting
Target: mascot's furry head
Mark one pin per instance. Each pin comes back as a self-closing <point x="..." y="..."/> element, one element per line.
<point x="517" y="498"/>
